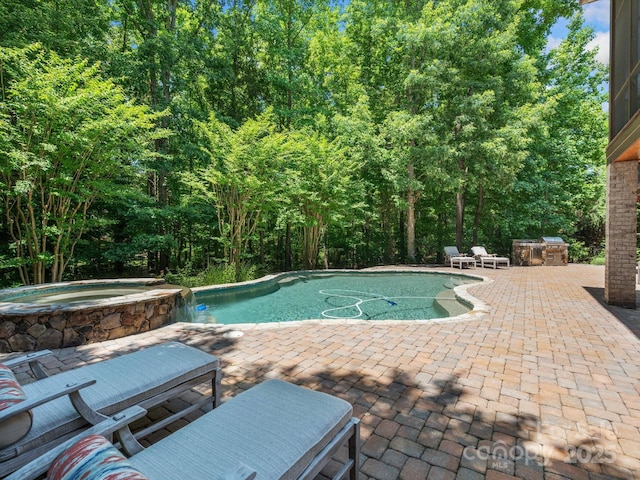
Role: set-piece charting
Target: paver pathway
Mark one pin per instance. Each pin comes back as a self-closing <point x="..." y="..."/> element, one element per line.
<point x="544" y="386"/>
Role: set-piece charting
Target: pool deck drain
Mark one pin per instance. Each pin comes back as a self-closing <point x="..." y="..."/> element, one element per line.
<point x="544" y="386"/>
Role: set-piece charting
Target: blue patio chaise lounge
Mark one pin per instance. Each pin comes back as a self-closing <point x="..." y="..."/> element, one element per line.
<point x="275" y="430"/>
<point x="55" y="408"/>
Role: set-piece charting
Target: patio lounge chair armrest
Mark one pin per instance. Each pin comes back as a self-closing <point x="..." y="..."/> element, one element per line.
<point x="115" y="422"/>
<point x="30" y="403"/>
<point x="33" y="359"/>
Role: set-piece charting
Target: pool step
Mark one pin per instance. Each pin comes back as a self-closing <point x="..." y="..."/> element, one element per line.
<point x="448" y="301"/>
<point x="453" y="283"/>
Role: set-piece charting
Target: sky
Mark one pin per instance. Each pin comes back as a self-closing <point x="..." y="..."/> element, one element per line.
<point x="596" y="15"/>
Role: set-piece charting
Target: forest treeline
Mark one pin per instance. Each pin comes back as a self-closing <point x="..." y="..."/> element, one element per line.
<point x="291" y="134"/>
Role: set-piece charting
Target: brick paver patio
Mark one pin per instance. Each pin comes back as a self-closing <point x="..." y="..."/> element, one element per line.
<point x="544" y="386"/>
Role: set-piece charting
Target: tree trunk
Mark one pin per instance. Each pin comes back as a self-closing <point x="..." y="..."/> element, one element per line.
<point x="287" y="249"/>
<point x="460" y="199"/>
<point x="476" y="219"/>
<point x="387" y="228"/>
<point x="326" y="255"/>
<point x="411" y="217"/>
<point x="311" y="241"/>
<point x="460" y="204"/>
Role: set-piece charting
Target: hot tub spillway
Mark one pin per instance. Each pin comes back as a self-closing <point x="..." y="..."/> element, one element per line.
<point x="187" y="312"/>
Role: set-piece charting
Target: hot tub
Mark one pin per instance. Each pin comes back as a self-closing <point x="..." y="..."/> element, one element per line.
<point x="67" y="314"/>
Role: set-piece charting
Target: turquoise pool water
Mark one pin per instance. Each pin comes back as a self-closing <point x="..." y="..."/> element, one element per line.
<point x="360" y="296"/>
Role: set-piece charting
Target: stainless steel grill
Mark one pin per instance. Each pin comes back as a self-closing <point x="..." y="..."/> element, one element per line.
<point x="544" y="251"/>
<point x="555" y="251"/>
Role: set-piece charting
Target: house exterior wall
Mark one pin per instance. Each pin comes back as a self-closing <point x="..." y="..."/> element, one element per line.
<point x="623" y="153"/>
<point x="620" y="262"/>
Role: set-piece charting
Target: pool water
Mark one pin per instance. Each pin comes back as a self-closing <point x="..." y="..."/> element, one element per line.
<point x="348" y="296"/>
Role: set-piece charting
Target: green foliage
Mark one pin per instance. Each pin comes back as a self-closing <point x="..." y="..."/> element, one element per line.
<point x="579" y="252"/>
<point x="538" y="16"/>
<point x="71" y="28"/>
<point x="296" y="178"/>
<point x="214" y="275"/>
<point x="292" y="133"/>
<point x="562" y="186"/>
<point x="67" y="137"/>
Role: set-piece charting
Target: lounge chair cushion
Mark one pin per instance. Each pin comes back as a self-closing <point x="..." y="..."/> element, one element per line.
<point x="275" y="428"/>
<point x="11" y="393"/>
<point x="93" y="458"/>
<point x="480" y="252"/>
<point x="452" y="251"/>
<point x="120" y="382"/>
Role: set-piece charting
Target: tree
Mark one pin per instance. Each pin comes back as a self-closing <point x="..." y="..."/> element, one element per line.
<point x="375" y="44"/>
<point x="235" y="78"/>
<point x="68" y="28"/>
<point x="284" y="31"/>
<point x="67" y="137"/>
<point x="239" y="181"/>
<point x="370" y="233"/>
<point x="410" y="146"/>
<point x="482" y="104"/>
<point x="536" y="18"/>
<point x="561" y="188"/>
<point x="154" y="46"/>
<point x="318" y="191"/>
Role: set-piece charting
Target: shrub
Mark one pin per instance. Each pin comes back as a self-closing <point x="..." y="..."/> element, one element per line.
<point x="214" y="275"/>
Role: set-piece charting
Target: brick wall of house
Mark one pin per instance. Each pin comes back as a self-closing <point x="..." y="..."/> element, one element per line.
<point x="620" y="269"/>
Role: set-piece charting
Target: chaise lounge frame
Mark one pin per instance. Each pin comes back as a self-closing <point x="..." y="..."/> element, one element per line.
<point x="454" y="257"/>
<point x="491" y="259"/>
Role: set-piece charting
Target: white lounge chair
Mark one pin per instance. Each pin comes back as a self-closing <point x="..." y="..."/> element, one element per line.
<point x="272" y="431"/>
<point x="480" y="253"/>
<point x="67" y="403"/>
<point x="454" y="257"/>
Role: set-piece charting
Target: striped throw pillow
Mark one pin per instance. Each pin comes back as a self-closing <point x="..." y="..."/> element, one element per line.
<point x="10" y="390"/>
<point x="17" y="426"/>
<point x="93" y="458"/>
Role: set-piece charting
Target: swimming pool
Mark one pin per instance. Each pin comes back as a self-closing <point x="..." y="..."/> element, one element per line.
<point x="335" y="295"/>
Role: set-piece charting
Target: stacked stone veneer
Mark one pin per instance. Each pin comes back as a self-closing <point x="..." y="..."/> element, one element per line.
<point x="36" y="327"/>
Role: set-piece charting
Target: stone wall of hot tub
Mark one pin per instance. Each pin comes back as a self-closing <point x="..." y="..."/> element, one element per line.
<point x="73" y="325"/>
